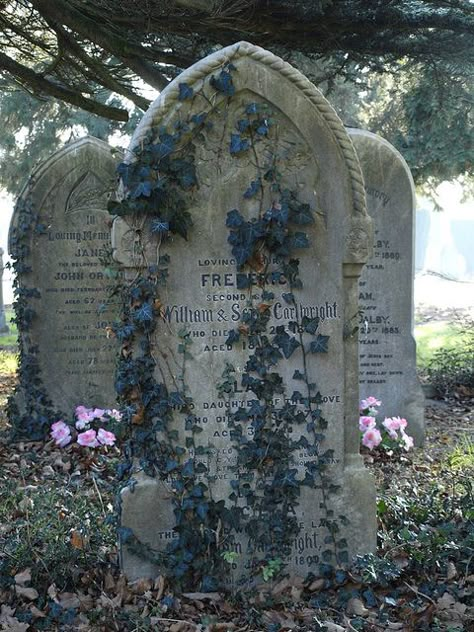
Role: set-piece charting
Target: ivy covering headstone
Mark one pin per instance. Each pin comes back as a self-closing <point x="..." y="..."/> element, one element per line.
<point x="242" y="230"/>
<point x="60" y="243"/>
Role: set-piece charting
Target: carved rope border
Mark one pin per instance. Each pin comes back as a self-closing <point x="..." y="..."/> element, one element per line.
<point x="213" y="62"/>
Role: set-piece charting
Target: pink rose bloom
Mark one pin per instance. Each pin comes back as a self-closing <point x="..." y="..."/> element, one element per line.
<point x="371" y="438"/>
<point x="391" y="425"/>
<point x="115" y="414"/>
<point x="407" y="440"/>
<point x="84" y="417"/>
<point x="97" y="413"/>
<point x="366" y="423"/>
<point x="369" y="403"/>
<point x="88" y="439"/>
<point x="394" y="423"/>
<point x="61" y="433"/>
<point x="105" y="437"/>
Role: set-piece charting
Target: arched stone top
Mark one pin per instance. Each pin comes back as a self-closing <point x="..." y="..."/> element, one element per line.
<point x="59" y="164"/>
<point x="390" y="151"/>
<point x="195" y="75"/>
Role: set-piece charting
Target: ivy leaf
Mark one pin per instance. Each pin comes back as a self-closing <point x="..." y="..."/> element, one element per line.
<point x="286" y="343"/>
<point x="234" y="219"/>
<point x="176" y="399"/>
<point x="320" y="345"/>
<point x="262" y="129"/>
<point x="144" y="313"/>
<point x="243" y="281"/>
<point x="123" y="170"/>
<point x="300" y="240"/>
<point x="243" y="124"/>
<point x="185" y="92"/>
<point x="302" y="215"/>
<point x="188" y="469"/>
<point x="310" y="324"/>
<point x="159" y="226"/>
<point x="251" y="108"/>
<point x="297" y="375"/>
<point x="253" y="189"/>
<point x="241" y="253"/>
<point x="223" y="83"/>
<point x="143" y="189"/>
<point x="238" y="144"/>
<point x="288" y="297"/>
<point x="234" y="336"/>
<point x="171" y="464"/>
<point x="164" y="148"/>
<point x="198" y="119"/>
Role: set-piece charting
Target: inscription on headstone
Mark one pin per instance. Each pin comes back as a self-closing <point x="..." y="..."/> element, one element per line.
<point x="204" y="302"/>
<point x="387" y="347"/>
<point x="68" y="243"/>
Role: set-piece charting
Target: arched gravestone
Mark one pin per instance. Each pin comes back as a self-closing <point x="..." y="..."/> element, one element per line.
<point x="60" y="237"/>
<point x="317" y="159"/>
<point x="387" y="346"/>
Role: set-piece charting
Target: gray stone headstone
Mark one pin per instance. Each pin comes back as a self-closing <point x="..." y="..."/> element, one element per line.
<point x="387" y="346"/>
<point x="317" y="160"/>
<point x="4" y="329"/>
<point x="67" y="246"/>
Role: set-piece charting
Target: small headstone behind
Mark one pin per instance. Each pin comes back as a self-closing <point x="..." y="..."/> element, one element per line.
<point x="387" y="346"/>
<point x="60" y="240"/>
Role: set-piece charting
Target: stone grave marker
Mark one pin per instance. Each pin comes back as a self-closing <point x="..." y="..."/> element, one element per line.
<point x="60" y="238"/>
<point x="387" y="346"/>
<point x="4" y="329"/>
<point x="204" y="300"/>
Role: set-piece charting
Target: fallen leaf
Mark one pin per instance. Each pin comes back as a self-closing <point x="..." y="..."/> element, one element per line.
<point x="23" y="577"/>
<point x="28" y="593"/>
<point x="78" y="540"/>
<point x="356" y="607"/>
<point x="69" y="600"/>
<point x="451" y="571"/>
<point x="201" y="596"/>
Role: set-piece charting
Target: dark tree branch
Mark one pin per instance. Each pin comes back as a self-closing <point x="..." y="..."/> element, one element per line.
<point x="39" y="84"/>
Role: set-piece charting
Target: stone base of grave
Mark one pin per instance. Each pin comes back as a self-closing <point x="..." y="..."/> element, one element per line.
<point x="147" y="511"/>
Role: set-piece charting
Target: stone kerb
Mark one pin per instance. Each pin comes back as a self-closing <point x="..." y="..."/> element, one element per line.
<point x="387" y="344"/>
<point x="318" y="161"/>
<point x="60" y="237"/>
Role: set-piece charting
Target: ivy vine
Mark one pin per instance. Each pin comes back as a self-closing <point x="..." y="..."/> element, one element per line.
<point x="274" y="424"/>
<point x="29" y="409"/>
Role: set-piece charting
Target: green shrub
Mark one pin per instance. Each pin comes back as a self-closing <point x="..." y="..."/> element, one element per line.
<point x="454" y="367"/>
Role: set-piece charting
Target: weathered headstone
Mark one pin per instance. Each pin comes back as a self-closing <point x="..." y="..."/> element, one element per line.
<point x="387" y="346"/>
<point x="203" y="300"/>
<point x="60" y="238"/>
<point x="4" y="329"/>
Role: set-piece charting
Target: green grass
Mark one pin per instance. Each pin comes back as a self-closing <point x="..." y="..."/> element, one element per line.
<point x="431" y="337"/>
<point x="10" y="339"/>
<point x="462" y="457"/>
<point x="8" y="361"/>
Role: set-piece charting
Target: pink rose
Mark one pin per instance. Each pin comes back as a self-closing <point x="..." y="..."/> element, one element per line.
<point x="115" y="414"/>
<point x="370" y="402"/>
<point x="88" y="439"/>
<point x="391" y="426"/>
<point x="97" y="413"/>
<point x="84" y="416"/>
<point x="105" y="437"/>
<point x="365" y="423"/>
<point x="371" y="438"/>
<point x="407" y="440"/>
<point x="61" y="433"/>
